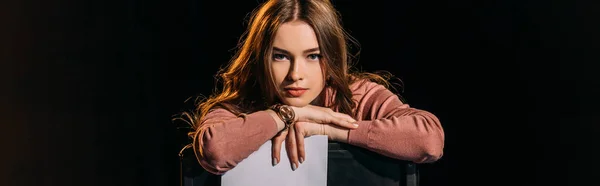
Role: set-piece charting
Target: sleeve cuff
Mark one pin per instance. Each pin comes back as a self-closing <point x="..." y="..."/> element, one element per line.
<point x="360" y="136"/>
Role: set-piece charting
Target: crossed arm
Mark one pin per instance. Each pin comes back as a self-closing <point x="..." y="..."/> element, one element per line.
<point x="385" y="125"/>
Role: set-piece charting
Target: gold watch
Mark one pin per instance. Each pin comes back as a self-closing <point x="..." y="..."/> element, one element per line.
<point x="286" y="113"/>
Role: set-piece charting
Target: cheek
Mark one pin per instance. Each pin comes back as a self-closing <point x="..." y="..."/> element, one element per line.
<point x="317" y="70"/>
<point x="279" y="72"/>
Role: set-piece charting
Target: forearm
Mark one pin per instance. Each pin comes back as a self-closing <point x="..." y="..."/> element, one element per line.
<point x="391" y="128"/>
<point x="418" y="137"/>
<point x="224" y="140"/>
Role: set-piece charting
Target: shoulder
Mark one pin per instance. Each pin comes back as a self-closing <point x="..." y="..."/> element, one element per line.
<point x="372" y="98"/>
<point x="365" y="86"/>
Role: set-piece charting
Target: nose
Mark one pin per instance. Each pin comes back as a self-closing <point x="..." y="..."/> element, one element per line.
<point x="296" y="70"/>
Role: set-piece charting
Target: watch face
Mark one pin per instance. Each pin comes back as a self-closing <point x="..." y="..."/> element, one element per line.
<point x="287" y="113"/>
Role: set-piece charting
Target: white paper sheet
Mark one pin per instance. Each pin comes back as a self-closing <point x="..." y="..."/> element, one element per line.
<point x="258" y="169"/>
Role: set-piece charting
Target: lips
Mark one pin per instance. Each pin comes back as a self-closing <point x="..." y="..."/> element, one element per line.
<point x="295" y="92"/>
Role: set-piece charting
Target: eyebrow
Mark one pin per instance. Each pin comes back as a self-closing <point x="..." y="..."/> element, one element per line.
<point x="286" y="52"/>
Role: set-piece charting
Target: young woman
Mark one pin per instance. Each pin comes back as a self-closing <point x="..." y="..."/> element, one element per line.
<point x="291" y="79"/>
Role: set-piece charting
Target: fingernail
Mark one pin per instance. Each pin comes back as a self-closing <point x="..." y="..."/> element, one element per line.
<point x="274" y="161"/>
<point x="355" y="125"/>
<point x="294" y="166"/>
<point x="301" y="160"/>
<point x="353" y="121"/>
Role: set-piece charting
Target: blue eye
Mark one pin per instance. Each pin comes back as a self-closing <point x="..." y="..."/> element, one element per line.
<point x="314" y="56"/>
<point x="279" y="57"/>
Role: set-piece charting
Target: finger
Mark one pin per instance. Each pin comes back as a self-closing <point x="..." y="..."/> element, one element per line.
<point x="290" y="148"/>
<point x="300" y="146"/>
<point x="344" y="116"/>
<point x="276" y="147"/>
<point x="343" y="123"/>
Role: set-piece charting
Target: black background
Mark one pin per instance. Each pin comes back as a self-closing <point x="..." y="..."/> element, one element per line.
<point x="89" y="87"/>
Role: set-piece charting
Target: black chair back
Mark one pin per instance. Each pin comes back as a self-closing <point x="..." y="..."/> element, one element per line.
<point x="347" y="165"/>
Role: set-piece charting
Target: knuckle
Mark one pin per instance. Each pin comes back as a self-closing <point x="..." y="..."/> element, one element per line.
<point x="327" y="120"/>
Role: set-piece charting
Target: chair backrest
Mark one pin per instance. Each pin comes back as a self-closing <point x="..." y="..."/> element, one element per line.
<point x="347" y="165"/>
<point x="351" y="165"/>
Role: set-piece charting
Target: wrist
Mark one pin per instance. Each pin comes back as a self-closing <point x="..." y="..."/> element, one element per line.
<point x="285" y="113"/>
<point x="336" y="134"/>
<point x="296" y="113"/>
<point x="278" y="122"/>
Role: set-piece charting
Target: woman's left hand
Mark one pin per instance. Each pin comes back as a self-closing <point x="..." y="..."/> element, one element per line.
<point x="294" y="140"/>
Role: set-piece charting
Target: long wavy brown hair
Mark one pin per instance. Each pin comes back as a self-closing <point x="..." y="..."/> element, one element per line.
<point x="246" y="80"/>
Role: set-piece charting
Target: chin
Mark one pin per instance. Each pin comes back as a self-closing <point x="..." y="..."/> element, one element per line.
<point x="296" y="102"/>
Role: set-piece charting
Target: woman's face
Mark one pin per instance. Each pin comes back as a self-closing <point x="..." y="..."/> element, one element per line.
<point x="296" y="65"/>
